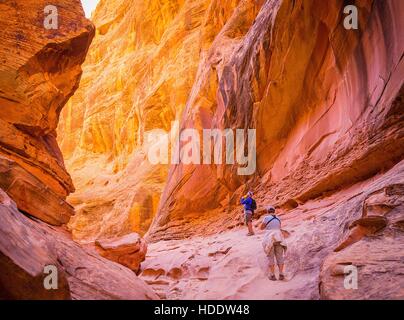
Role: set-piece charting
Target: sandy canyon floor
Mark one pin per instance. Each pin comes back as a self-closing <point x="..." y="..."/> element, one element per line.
<point x="225" y="266"/>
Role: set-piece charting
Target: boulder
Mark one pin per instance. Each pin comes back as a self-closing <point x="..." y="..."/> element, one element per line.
<point x="129" y="250"/>
<point x="379" y="264"/>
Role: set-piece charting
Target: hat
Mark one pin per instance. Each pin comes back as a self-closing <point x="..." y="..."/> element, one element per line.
<point x="270" y="209"/>
<point x="250" y="193"/>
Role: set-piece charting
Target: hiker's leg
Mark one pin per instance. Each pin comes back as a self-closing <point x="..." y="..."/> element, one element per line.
<point x="248" y="221"/>
<point x="280" y="259"/>
<point x="250" y="227"/>
<point x="271" y="264"/>
<point x="272" y="269"/>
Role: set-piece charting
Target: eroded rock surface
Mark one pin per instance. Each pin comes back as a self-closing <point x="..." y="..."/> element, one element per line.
<point x="327" y="104"/>
<point x="376" y="253"/>
<point x="27" y="246"/>
<point x="129" y="250"/>
<point x="39" y="71"/>
<point x="138" y="77"/>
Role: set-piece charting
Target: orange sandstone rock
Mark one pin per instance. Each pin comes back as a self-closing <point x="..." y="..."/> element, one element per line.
<point x="229" y="265"/>
<point x="27" y="247"/>
<point x="129" y="250"/>
<point x="33" y="197"/>
<point x="137" y="77"/>
<point x="326" y="103"/>
<point x="40" y="70"/>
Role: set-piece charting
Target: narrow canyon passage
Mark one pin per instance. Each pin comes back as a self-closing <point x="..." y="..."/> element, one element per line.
<point x="79" y="106"/>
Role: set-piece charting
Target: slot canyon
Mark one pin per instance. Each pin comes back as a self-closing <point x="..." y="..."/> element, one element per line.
<point x="78" y="191"/>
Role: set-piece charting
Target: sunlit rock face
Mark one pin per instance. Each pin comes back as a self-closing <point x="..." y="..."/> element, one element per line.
<point x="327" y="104"/>
<point x="39" y="71"/>
<point x="324" y="100"/>
<point x="137" y="77"/>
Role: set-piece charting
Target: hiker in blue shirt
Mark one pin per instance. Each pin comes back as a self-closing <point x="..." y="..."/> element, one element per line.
<point x="249" y="207"/>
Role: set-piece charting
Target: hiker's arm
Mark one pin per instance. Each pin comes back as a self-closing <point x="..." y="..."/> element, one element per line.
<point x="263" y="224"/>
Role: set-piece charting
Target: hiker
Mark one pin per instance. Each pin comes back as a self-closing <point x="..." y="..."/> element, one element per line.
<point x="273" y="243"/>
<point x="249" y="207"/>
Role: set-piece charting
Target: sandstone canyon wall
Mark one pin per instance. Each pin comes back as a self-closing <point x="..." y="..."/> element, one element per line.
<point x="40" y="70"/>
<point x="137" y="77"/>
<point x="326" y="103"/>
<point x="322" y="99"/>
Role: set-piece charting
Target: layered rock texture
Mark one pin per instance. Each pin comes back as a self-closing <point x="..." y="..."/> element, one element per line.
<point x="327" y="106"/>
<point x="27" y="247"/>
<point x="326" y="103"/>
<point x="229" y="265"/>
<point x="137" y="78"/>
<point x="40" y="70"/>
<point x="320" y="97"/>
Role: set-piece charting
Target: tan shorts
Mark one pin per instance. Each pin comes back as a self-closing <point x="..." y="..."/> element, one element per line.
<point x="248" y="216"/>
<point x="277" y="251"/>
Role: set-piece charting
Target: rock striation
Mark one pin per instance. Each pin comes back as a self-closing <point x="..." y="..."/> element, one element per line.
<point x="27" y="247"/>
<point x="137" y="78"/>
<point x="372" y="246"/>
<point x="229" y="265"/>
<point x="326" y="103"/>
<point x="327" y="107"/>
<point x="40" y="69"/>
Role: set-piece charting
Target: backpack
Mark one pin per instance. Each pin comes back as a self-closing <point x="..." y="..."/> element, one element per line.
<point x="273" y="218"/>
<point x="253" y="205"/>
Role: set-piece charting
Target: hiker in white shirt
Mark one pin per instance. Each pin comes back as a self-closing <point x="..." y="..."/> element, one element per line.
<point x="273" y="243"/>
